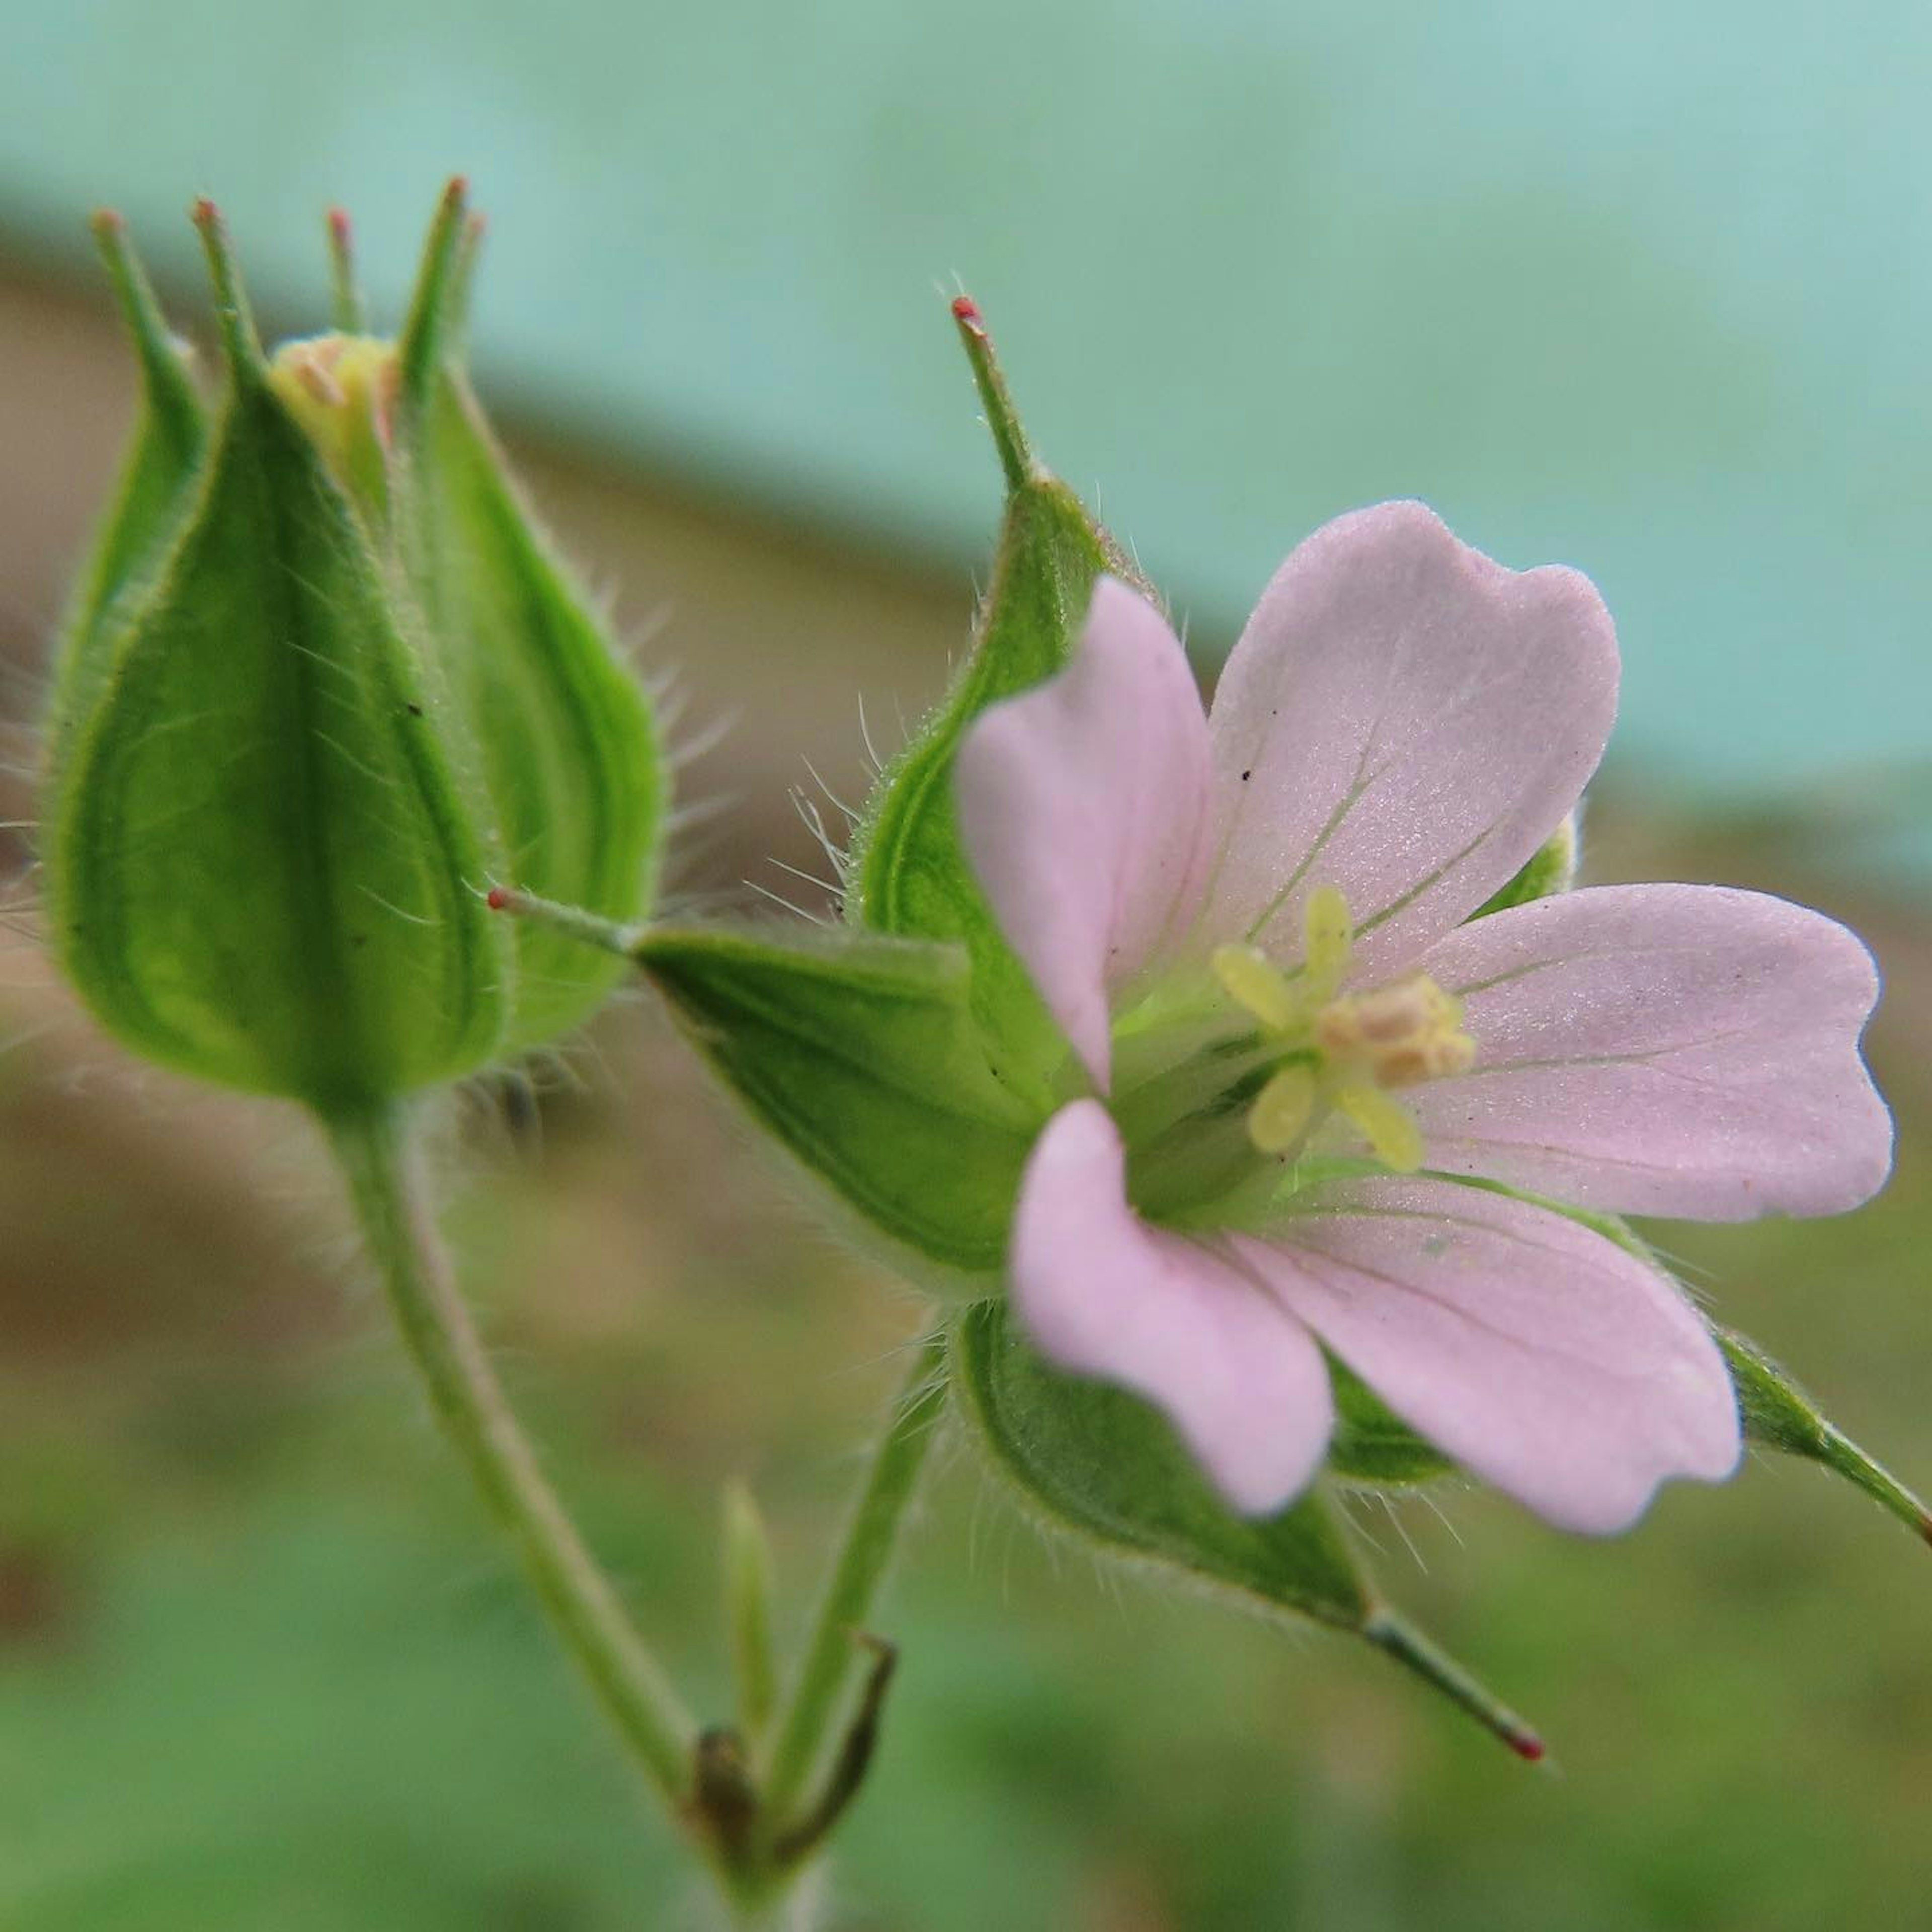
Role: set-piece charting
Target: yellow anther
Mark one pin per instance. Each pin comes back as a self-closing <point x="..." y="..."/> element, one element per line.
<point x="1391" y="1128"/>
<point x="1253" y="982"/>
<point x="1327" y="940"/>
<point x="1283" y="1110"/>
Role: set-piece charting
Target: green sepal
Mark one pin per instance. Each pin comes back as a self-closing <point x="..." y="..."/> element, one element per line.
<point x="1551" y="868"/>
<point x="555" y="733"/>
<point x="1091" y="1458"/>
<point x="860" y="1056"/>
<point x="157" y="485"/>
<point x="259" y="860"/>
<point x="908" y="874"/>
<point x="1100" y="1467"/>
<point x="570" y="755"/>
<point x="1372" y="1446"/>
<point x="1779" y="1415"/>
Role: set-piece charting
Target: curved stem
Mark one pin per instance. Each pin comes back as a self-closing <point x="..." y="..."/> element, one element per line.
<point x="385" y="1181"/>
<point x="863" y="1559"/>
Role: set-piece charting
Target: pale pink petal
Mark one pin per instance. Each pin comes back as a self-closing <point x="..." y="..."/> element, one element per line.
<point x="1685" y="1050"/>
<point x="1405" y="720"/>
<point x="1102" y="1294"/>
<point x="1539" y="1355"/>
<point x="1083" y="804"/>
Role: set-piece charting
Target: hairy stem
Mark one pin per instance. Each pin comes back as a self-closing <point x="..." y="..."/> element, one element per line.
<point x="862" y="1561"/>
<point x="383" y="1172"/>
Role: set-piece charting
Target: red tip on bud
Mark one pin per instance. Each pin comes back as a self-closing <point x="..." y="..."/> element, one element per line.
<point x="965" y="309"/>
<point x="1527" y="1745"/>
<point x="106" y="221"/>
<point x="338" y="226"/>
<point x="205" y="213"/>
<point x="497" y="898"/>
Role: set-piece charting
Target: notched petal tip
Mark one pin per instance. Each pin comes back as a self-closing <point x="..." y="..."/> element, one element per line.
<point x="1408" y="720"/>
<point x="1690" y="1050"/>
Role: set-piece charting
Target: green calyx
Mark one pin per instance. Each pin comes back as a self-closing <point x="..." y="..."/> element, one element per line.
<point x="902" y="1059"/>
<point x="861" y="1057"/>
<point x="1099" y="1468"/>
<point x="908" y="874"/>
<point x="321" y="685"/>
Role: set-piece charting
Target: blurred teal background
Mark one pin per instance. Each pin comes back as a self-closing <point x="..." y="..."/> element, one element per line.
<point x="1646" y="289"/>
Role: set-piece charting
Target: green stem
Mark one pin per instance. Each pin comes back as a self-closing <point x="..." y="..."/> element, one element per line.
<point x="386" y="1183"/>
<point x="861" y="1567"/>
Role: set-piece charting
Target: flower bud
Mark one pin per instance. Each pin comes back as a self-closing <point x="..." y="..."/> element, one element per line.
<point x="322" y="684"/>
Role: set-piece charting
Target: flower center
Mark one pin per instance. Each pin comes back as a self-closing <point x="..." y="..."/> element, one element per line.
<point x="1342" y="1051"/>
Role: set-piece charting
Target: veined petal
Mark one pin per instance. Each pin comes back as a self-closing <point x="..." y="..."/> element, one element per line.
<point x="1685" y="1050"/>
<point x="1405" y="720"/>
<point x="1102" y="1294"/>
<point x="1082" y="803"/>
<point x="1542" y="1357"/>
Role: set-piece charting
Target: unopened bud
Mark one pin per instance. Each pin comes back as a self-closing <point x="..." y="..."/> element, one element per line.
<point x="322" y="685"/>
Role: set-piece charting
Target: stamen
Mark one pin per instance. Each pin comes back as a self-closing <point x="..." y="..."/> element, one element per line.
<point x="1363" y="1044"/>
<point x="1253" y="982"/>
<point x="1283" y="1110"/>
<point x="1397" y="1034"/>
<point x="1327" y="940"/>
<point x="1391" y="1128"/>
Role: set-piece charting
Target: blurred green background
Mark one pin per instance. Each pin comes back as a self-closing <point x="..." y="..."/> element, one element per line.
<point x="1644" y="289"/>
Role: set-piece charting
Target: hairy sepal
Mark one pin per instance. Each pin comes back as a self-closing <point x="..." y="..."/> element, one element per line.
<point x="566" y="744"/>
<point x="1099" y="1468"/>
<point x="259" y="864"/>
<point x="1779" y="1414"/>
<point x="909" y="875"/>
<point x="861" y="1057"/>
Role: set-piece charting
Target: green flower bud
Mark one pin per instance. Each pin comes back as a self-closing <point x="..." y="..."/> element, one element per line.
<point x="322" y="685"/>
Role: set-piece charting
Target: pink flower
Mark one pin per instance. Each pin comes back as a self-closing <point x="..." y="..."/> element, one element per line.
<point x="1306" y="1076"/>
